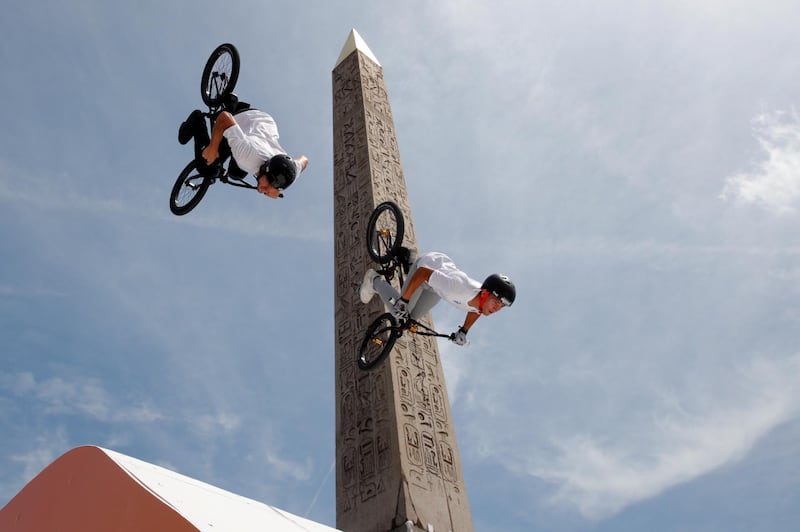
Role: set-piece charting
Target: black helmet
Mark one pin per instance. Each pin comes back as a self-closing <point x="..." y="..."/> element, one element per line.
<point x="501" y="287"/>
<point x="280" y="171"/>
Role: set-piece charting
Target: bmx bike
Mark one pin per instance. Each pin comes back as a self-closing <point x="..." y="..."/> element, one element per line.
<point x="216" y="88"/>
<point x="385" y="229"/>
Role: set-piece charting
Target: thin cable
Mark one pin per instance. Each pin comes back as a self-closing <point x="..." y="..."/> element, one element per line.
<point x="319" y="489"/>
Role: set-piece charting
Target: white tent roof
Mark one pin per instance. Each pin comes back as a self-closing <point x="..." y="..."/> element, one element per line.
<point x="90" y="489"/>
<point x="208" y="507"/>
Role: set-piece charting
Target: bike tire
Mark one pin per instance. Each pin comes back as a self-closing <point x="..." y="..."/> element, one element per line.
<point x="220" y="74"/>
<point x="378" y="341"/>
<point x="385" y="230"/>
<point x="188" y="190"/>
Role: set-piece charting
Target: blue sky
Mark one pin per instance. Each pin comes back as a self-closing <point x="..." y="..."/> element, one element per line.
<point x="634" y="168"/>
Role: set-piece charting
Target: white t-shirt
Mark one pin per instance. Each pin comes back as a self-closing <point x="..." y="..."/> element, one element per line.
<point x="253" y="140"/>
<point x="449" y="283"/>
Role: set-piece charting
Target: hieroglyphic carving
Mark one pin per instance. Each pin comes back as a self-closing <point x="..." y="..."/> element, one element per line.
<point x="447" y="461"/>
<point x="413" y="444"/>
<point x="429" y="452"/>
<point x="398" y="410"/>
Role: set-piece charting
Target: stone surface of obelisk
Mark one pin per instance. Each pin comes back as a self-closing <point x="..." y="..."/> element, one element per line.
<point x="397" y="463"/>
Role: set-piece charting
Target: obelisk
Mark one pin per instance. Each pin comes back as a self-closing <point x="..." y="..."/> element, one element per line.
<point x="397" y="463"/>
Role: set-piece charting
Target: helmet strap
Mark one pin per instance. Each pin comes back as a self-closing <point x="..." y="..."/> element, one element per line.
<point x="482" y="299"/>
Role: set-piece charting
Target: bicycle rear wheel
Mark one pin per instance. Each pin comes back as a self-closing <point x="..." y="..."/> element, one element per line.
<point x="385" y="232"/>
<point x="220" y="74"/>
<point x="188" y="190"/>
<point x="378" y="341"/>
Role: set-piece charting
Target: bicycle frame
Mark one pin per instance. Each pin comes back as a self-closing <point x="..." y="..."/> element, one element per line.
<point x="391" y="269"/>
<point x="413" y="326"/>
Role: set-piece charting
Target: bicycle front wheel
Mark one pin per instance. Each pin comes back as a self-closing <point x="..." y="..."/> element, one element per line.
<point x="385" y="232"/>
<point x="188" y="190"/>
<point x="220" y="74"/>
<point x="378" y="341"/>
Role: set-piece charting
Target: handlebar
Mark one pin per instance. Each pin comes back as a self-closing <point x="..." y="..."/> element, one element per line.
<point x="412" y="325"/>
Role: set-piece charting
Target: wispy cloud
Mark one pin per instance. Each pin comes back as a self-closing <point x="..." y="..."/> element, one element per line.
<point x="216" y="423"/>
<point x="774" y="182"/>
<point x="682" y="435"/>
<point x="29" y="193"/>
<point x="78" y="396"/>
<point x="296" y="225"/>
<point x="42" y="450"/>
<point x="287" y="468"/>
<point x="7" y="290"/>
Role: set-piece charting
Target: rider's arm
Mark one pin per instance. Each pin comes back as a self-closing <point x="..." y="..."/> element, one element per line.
<point x="469" y="320"/>
<point x="421" y="275"/>
<point x="223" y="122"/>
<point x="303" y="160"/>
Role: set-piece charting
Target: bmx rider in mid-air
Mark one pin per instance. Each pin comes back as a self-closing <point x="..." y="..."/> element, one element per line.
<point x="250" y="136"/>
<point x="434" y="276"/>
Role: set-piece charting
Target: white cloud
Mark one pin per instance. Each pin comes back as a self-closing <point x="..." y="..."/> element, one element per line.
<point x="220" y="422"/>
<point x="7" y="290"/>
<point x="599" y="472"/>
<point x="774" y="183"/>
<point x="286" y="468"/>
<point x="141" y="413"/>
<point x="41" y="452"/>
<point x="295" y="225"/>
<point x="455" y="365"/>
<point x="77" y="396"/>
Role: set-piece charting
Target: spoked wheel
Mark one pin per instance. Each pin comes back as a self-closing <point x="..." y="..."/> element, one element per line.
<point x="220" y="74"/>
<point x="385" y="232"/>
<point x="189" y="189"/>
<point x="378" y="341"/>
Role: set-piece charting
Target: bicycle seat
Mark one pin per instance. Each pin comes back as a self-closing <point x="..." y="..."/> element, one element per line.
<point x="404" y="256"/>
<point x="233" y="105"/>
<point x="230" y="101"/>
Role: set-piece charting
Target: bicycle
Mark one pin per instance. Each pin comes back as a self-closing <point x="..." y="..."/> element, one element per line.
<point x="217" y="82"/>
<point x="385" y="231"/>
<point x="382" y="335"/>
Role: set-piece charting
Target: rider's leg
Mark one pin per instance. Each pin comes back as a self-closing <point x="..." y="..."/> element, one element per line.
<point x="197" y="129"/>
<point x="194" y="127"/>
<point x="201" y="139"/>
<point x="189" y="128"/>
<point x="426" y="299"/>
<point x="224" y="155"/>
<point x="386" y="292"/>
<point x="373" y="283"/>
<point x="235" y="171"/>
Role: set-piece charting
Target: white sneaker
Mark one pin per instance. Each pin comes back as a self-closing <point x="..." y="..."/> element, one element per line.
<point x="367" y="290"/>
